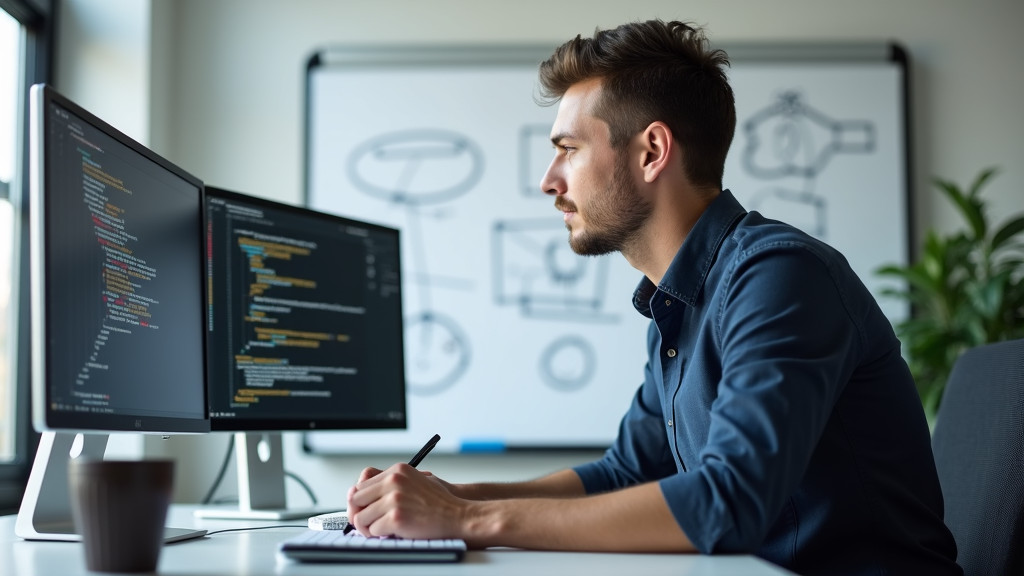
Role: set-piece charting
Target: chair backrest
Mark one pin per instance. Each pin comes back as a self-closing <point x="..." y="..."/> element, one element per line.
<point x="978" y="443"/>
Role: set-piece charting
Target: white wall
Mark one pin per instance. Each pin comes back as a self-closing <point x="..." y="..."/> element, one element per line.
<point x="224" y="80"/>
<point x="103" y="61"/>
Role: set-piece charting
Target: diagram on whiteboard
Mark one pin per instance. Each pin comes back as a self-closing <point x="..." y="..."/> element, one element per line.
<point x="793" y="142"/>
<point x="568" y="363"/>
<point x="418" y="170"/>
<point x="535" y="271"/>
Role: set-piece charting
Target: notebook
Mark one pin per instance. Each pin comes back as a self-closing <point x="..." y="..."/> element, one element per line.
<point x="329" y="521"/>
<point x="337" y="546"/>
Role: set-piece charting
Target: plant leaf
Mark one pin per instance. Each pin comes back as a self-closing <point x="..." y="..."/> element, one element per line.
<point x="1009" y="230"/>
<point x="987" y="297"/>
<point x="970" y="207"/>
<point x="918" y="275"/>
<point x="975" y="190"/>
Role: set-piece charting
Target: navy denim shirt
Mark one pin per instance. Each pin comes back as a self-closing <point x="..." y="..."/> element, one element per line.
<point x="776" y="411"/>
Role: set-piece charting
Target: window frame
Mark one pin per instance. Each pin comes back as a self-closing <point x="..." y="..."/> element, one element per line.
<point x="38" y="17"/>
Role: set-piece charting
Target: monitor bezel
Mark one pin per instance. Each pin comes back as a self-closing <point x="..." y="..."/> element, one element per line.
<point x="42" y="96"/>
<point x="309" y="424"/>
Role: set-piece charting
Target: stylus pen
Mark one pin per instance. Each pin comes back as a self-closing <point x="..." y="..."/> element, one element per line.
<point x="424" y="451"/>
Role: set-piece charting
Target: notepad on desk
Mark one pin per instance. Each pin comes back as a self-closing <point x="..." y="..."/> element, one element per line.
<point x="329" y="521"/>
<point x="337" y="546"/>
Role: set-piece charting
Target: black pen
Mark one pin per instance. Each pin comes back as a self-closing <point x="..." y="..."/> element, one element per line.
<point x="414" y="463"/>
<point x="424" y="451"/>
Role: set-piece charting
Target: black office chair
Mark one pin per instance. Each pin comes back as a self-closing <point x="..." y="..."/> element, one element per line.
<point x="979" y="453"/>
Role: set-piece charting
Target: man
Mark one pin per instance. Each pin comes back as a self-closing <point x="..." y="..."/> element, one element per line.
<point x="776" y="415"/>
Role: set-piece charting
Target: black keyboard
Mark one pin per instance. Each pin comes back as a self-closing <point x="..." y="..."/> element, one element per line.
<point x="336" y="546"/>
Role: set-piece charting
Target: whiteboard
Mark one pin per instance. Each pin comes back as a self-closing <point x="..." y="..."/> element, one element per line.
<point x="512" y="340"/>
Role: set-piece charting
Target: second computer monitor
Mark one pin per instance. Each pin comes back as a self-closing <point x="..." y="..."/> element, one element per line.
<point x="305" y="319"/>
<point x="304" y="331"/>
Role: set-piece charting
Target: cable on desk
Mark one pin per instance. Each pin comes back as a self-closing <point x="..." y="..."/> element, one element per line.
<point x="223" y="469"/>
<point x="220" y="475"/>
<point x="212" y="532"/>
<point x="302" y="483"/>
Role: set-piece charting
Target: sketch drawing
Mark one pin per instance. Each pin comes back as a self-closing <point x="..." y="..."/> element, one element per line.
<point x="568" y="363"/>
<point x="792" y="141"/>
<point x="535" y="269"/>
<point x="416" y="170"/>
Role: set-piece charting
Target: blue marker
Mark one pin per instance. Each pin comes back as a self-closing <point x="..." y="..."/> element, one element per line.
<point x="482" y="446"/>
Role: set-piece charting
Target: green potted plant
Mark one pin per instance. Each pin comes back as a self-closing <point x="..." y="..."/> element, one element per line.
<point x="966" y="289"/>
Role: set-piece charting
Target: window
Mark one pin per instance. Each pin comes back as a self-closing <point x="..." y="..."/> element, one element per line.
<point x="25" y="48"/>
<point x="10" y="63"/>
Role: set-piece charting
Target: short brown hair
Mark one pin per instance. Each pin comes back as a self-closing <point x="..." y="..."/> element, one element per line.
<point x="652" y="71"/>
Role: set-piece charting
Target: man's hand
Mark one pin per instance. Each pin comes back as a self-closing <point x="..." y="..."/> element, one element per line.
<point x="403" y="501"/>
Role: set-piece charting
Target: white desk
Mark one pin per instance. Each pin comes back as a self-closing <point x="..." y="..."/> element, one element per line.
<point x="254" y="553"/>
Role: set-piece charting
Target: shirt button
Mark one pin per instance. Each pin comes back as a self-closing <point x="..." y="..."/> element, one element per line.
<point x="671" y="352"/>
<point x="670" y="422"/>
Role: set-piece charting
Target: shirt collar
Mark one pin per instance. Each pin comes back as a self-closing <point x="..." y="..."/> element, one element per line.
<point x="685" y="276"/>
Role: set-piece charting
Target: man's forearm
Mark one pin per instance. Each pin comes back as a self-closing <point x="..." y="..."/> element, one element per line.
<point x="635" y="519"/>
<point x="562" y="484"/>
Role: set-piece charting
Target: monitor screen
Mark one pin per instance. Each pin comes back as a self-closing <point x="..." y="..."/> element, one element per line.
<point x="305" y="319"/>
<point x="117" y="248"/>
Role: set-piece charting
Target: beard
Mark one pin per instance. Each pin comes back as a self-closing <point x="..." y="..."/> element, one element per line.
<point x="614" y="216"/>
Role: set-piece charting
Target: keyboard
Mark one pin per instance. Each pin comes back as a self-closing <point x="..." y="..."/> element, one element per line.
<point x="336" y="546"/>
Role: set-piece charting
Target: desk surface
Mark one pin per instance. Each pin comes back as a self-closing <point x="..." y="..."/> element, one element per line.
<point x="254" y="552"/>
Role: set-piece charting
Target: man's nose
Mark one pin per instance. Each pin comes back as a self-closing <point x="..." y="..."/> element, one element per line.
<point x="552" y="183"/>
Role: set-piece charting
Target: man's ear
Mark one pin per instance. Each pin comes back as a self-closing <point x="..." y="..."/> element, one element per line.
<point x="657" y="147"/>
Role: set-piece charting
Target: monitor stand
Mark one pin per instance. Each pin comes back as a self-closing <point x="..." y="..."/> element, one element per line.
<point x="259" y="460"/>
<point x="45" y="512"/>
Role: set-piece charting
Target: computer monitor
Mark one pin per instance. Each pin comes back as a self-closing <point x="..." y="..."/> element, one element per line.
<point x="304" y="333"/>
<point x="116" y="245"/>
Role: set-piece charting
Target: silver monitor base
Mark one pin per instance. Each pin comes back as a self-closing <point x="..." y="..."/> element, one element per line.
<point x="45" y="512"/>
<point x="259" y="462"/>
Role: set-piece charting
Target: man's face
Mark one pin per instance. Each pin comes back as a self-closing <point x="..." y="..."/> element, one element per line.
<point x="591" y="181"/>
